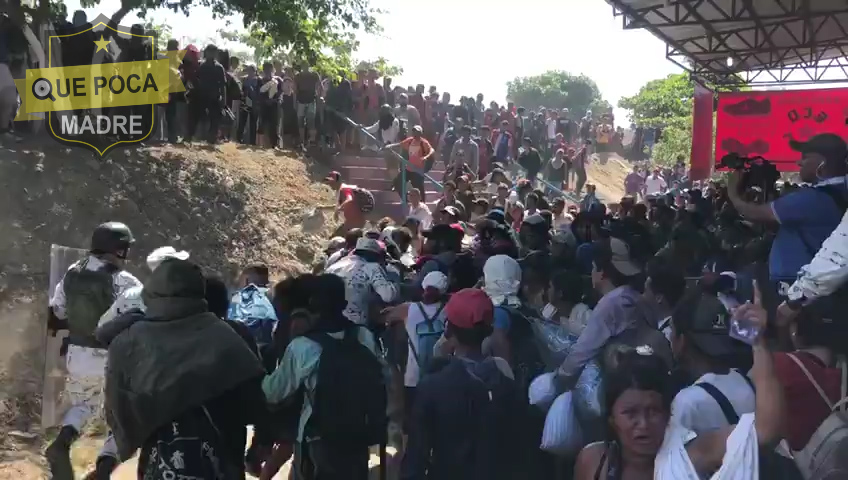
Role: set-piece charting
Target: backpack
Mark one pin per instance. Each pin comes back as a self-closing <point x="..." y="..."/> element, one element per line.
<point x="527" y="362"/>
<point x="773" y="466"/>
<point x="364" y="198"/>
<point x="429" y="332"/>
<point x="252" y="307"/>
<point x="88" y="294"/>
<point x="825" y="457"/>
<point x="348" y="370"/>
<point x="192" y="446"/>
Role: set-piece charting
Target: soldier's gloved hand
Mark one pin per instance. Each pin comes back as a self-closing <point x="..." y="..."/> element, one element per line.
<point x="55" y="323"/>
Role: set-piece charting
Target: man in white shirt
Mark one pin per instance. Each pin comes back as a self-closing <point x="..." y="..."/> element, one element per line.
<point x="419" y="210"/>
<point x="704" y="350"/>
<point x="655" y="184"/>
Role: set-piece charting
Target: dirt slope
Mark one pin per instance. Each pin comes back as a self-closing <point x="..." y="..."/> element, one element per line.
<point x="609" y="177"/>
<point x="228" y="206"/>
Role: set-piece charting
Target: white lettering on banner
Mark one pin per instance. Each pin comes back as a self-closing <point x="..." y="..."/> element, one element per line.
<point x="102" y="125"/>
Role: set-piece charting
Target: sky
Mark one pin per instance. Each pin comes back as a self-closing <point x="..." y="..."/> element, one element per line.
<point x="459" y="53"/>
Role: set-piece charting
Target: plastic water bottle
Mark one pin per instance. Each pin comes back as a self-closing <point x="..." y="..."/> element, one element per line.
<point x="743" y="329"/>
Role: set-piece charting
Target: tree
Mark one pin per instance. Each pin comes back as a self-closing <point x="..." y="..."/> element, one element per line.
<point x="554" y="89"/>
<point x="665" y="103"/>
<point x="661" y="101"/>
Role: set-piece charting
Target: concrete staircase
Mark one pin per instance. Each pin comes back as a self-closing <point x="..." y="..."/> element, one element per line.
<point x="368" y="170"/>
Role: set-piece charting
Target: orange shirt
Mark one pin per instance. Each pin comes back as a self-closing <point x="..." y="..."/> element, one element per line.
<point x="418" y="149"/>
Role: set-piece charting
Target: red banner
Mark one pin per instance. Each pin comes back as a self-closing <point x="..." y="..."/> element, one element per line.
<point x="762" y="123"/>
<point x="701" y="164"/>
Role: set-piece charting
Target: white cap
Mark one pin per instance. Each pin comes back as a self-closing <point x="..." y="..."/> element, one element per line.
<point x="437" y="280"/>
<point x="163" y="253"/>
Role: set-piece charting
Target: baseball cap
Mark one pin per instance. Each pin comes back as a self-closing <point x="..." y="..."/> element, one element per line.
<point x="437" y="280"/>
<point x="163" y="253"/>
<point x="828" y="145"/>
<point x="469" y="307"/>
<point x="621" y="259"/>
<point x="333" y="176"/>
<point x="706" y="323"/>
<point x="417" y="129"/>
<point x="451" y="210"/>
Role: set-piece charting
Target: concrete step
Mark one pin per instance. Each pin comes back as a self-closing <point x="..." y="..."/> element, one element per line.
<point x="380" y="173"/>
<point x="350" y="161"/>
<point x="377" y="184"/>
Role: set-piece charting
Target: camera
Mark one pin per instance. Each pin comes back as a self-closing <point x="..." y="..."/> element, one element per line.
<point x="757" y="171"/>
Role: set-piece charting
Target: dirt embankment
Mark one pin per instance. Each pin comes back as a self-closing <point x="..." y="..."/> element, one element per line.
<point x="608" y="177"/>
<point x="228" y="206"/>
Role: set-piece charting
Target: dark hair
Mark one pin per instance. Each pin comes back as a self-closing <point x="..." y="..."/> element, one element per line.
<point x="384" y="222"/>
<point x="640" y="210"/>
<point x="632" y="370"/>
<point x="548" y="216"/>
<point x="402" y="235"/>
<point x="224" y="58"/>
<point x="569" y="286"/>
<point x="328" y="295"/>
<point x="667" y="280"/>
<point x="451" y="184"/>
<point x="352" y="236"/>
<point x="469" y="337"/>
<point x="217" y="296"/>
<point x="257" y="274"/>
<point x="819" y="325"/>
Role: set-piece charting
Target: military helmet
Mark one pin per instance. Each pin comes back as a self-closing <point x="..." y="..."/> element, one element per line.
<point x="112" y="237"/>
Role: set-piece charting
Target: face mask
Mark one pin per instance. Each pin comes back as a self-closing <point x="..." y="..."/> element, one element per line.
<point x="548" y="312"/>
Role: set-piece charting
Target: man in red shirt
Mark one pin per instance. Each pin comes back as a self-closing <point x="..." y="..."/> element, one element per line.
<point x="420" y="152"/>
<point x="347" y="204"/>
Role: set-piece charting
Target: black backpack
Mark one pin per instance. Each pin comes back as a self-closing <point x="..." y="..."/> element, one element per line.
<point x="527" y="362"/>
<point x="350" y="400"/>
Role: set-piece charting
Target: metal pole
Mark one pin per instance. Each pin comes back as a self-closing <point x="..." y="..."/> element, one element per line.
<point x="404" y="208"/>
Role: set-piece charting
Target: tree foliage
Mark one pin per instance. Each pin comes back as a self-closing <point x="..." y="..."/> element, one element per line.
<point x="659" y="102"/>
<point x="665" y="103"/>
<point x="555" y="89"/>
<point x="305" y="30"/>
<point x="336" y="58"/>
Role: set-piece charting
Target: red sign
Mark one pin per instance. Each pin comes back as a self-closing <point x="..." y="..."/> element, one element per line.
<point x="762" y="123"/>
<point x="701" y="165"/>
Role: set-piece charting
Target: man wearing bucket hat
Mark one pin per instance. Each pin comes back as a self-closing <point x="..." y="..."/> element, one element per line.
<point x="365" y="275"/>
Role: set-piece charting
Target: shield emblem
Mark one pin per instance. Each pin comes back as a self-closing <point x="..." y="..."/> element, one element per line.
<point x="107" y="62"/>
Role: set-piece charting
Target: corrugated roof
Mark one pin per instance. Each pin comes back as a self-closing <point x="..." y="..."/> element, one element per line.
<point x="774" y="36"/>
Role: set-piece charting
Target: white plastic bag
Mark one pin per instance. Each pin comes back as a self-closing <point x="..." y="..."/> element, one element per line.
<point x="562" y="434"/>
<point x="542" y="391"/>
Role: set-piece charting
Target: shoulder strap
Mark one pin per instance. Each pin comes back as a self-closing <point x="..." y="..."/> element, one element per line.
<point x="748" y="381"/>
<point x="428" y="319"/>
<point x="723" y="403"/>
<point x="812" y="380"/>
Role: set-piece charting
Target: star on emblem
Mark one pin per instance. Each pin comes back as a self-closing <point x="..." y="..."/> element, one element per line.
<point x="102" y="44"/>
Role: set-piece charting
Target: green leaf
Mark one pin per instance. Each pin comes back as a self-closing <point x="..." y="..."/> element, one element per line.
<point x="556" y="89"/>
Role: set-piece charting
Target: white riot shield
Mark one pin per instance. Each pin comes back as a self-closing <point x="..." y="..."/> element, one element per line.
<point x="53" y="403"/>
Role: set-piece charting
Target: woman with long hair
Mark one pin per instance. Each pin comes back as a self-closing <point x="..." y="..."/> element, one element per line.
<point x="641" y="443"/>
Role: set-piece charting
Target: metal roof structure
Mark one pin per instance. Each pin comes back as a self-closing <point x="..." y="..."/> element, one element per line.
<point x="755" y="42"/>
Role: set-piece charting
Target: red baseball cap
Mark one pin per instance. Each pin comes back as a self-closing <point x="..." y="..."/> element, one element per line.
<point x="469" y="307"/>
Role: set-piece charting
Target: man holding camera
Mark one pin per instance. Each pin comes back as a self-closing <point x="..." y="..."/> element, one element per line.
<point x="807" y="216"/>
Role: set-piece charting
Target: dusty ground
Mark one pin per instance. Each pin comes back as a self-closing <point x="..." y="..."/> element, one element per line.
<point x="228" y="206"/>
<point x="609" y="177"/>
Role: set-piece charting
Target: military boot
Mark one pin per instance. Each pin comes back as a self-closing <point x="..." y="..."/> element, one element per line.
<point x="59" y="454"/>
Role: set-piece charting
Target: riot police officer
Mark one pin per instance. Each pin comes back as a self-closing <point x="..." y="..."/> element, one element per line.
<point x="87" y="291"/>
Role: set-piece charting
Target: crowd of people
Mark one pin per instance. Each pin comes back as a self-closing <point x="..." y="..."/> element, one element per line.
<point x="505" y="336"/>
<point x="686" y="331"/>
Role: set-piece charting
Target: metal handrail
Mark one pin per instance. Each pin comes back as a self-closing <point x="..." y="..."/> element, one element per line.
<point x="404" y="162"/>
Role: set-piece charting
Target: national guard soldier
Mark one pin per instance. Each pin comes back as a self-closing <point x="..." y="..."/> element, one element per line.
<point x="87" y="291"/>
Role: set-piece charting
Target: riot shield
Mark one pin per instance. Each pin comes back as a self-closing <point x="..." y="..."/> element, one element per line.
<point x="52" y="403"/>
